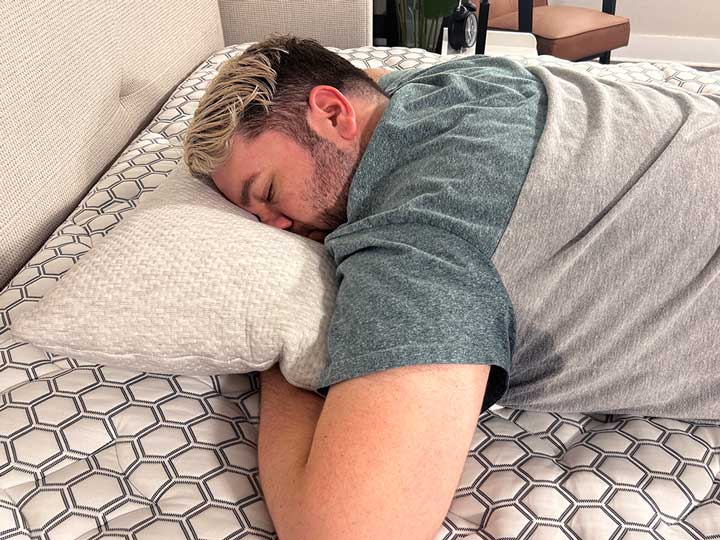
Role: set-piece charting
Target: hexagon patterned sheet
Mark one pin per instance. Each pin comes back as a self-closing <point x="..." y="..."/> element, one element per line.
<point x="89" y="452"/>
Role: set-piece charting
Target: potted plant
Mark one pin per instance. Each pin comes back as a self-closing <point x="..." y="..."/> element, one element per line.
<point x="420" y="21"/>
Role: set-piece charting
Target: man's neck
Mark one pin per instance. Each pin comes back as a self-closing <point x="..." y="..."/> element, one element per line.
<point x="368" y="115"/>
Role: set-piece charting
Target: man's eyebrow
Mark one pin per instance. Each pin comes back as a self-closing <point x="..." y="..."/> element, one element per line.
<point x="245" y="193"/>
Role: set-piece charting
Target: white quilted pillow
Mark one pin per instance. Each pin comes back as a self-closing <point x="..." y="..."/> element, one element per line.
<point x="190" y="284"/>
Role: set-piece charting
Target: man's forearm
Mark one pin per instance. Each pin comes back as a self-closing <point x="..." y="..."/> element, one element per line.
<point x="288" y="417"/>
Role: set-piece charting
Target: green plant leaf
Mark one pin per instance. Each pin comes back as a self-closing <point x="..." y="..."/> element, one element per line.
<point x="437" y="8"/>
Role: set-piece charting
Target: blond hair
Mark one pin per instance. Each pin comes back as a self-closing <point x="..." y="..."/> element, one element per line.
<point x="266" y="86"/>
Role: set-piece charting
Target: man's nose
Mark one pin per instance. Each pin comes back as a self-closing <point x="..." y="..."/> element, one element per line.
<point x="276" y="219"/>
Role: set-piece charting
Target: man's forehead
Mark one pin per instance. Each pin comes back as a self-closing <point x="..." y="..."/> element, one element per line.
<point x="237" y="168"/>
<point x="233" y="182"/>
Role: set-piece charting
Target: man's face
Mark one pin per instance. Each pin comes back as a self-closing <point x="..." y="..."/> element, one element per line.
<point x="288" y="186"/>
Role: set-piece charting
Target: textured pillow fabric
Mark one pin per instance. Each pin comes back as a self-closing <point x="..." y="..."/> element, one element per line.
<point x="190" y="284"/>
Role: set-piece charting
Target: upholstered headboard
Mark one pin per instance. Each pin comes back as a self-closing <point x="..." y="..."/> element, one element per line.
<point x="335" y="23"/>
<point x="78" y="78"/>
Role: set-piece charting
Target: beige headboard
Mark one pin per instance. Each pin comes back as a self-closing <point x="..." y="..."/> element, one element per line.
<point x="78" y="79"/>
<point x="334" y="23"/>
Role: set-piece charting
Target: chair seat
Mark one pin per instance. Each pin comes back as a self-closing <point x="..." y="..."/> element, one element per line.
<point x="571" y="32"/>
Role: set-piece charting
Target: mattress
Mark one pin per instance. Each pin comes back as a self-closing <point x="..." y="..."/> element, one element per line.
<point x="90" y="451"/>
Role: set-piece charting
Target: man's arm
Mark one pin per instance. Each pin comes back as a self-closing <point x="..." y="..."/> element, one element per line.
<point x="380" y="459"/>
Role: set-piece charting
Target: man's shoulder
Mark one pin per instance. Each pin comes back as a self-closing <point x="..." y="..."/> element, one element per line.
<point x="479" y="67"/>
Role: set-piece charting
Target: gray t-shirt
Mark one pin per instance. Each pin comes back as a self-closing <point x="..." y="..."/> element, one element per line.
<point x="427" y="207"/>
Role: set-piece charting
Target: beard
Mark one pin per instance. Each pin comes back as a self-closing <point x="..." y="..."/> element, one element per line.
<point x="330" y="184"/>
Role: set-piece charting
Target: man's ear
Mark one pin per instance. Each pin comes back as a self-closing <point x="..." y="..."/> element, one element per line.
<point x="331" y="115"/>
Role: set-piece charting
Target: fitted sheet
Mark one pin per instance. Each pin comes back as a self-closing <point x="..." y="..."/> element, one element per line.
<point x="90" y="451"/>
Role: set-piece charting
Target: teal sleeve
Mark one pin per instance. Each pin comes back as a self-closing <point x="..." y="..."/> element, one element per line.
<point x="416" y="294"/>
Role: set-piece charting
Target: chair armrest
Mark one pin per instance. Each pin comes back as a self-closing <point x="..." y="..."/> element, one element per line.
<point x="525" y="13"/>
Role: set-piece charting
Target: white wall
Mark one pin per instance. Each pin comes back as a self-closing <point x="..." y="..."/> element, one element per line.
<point x="685" y="31"/>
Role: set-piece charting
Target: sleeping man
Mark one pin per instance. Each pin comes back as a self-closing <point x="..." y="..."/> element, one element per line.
<point x="481" y="216"/>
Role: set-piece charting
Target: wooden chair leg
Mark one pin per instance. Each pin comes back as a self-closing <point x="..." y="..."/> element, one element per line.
<point x="605" y="57"/>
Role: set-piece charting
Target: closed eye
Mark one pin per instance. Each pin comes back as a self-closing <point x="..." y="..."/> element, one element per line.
<point x="270" y="193"/>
